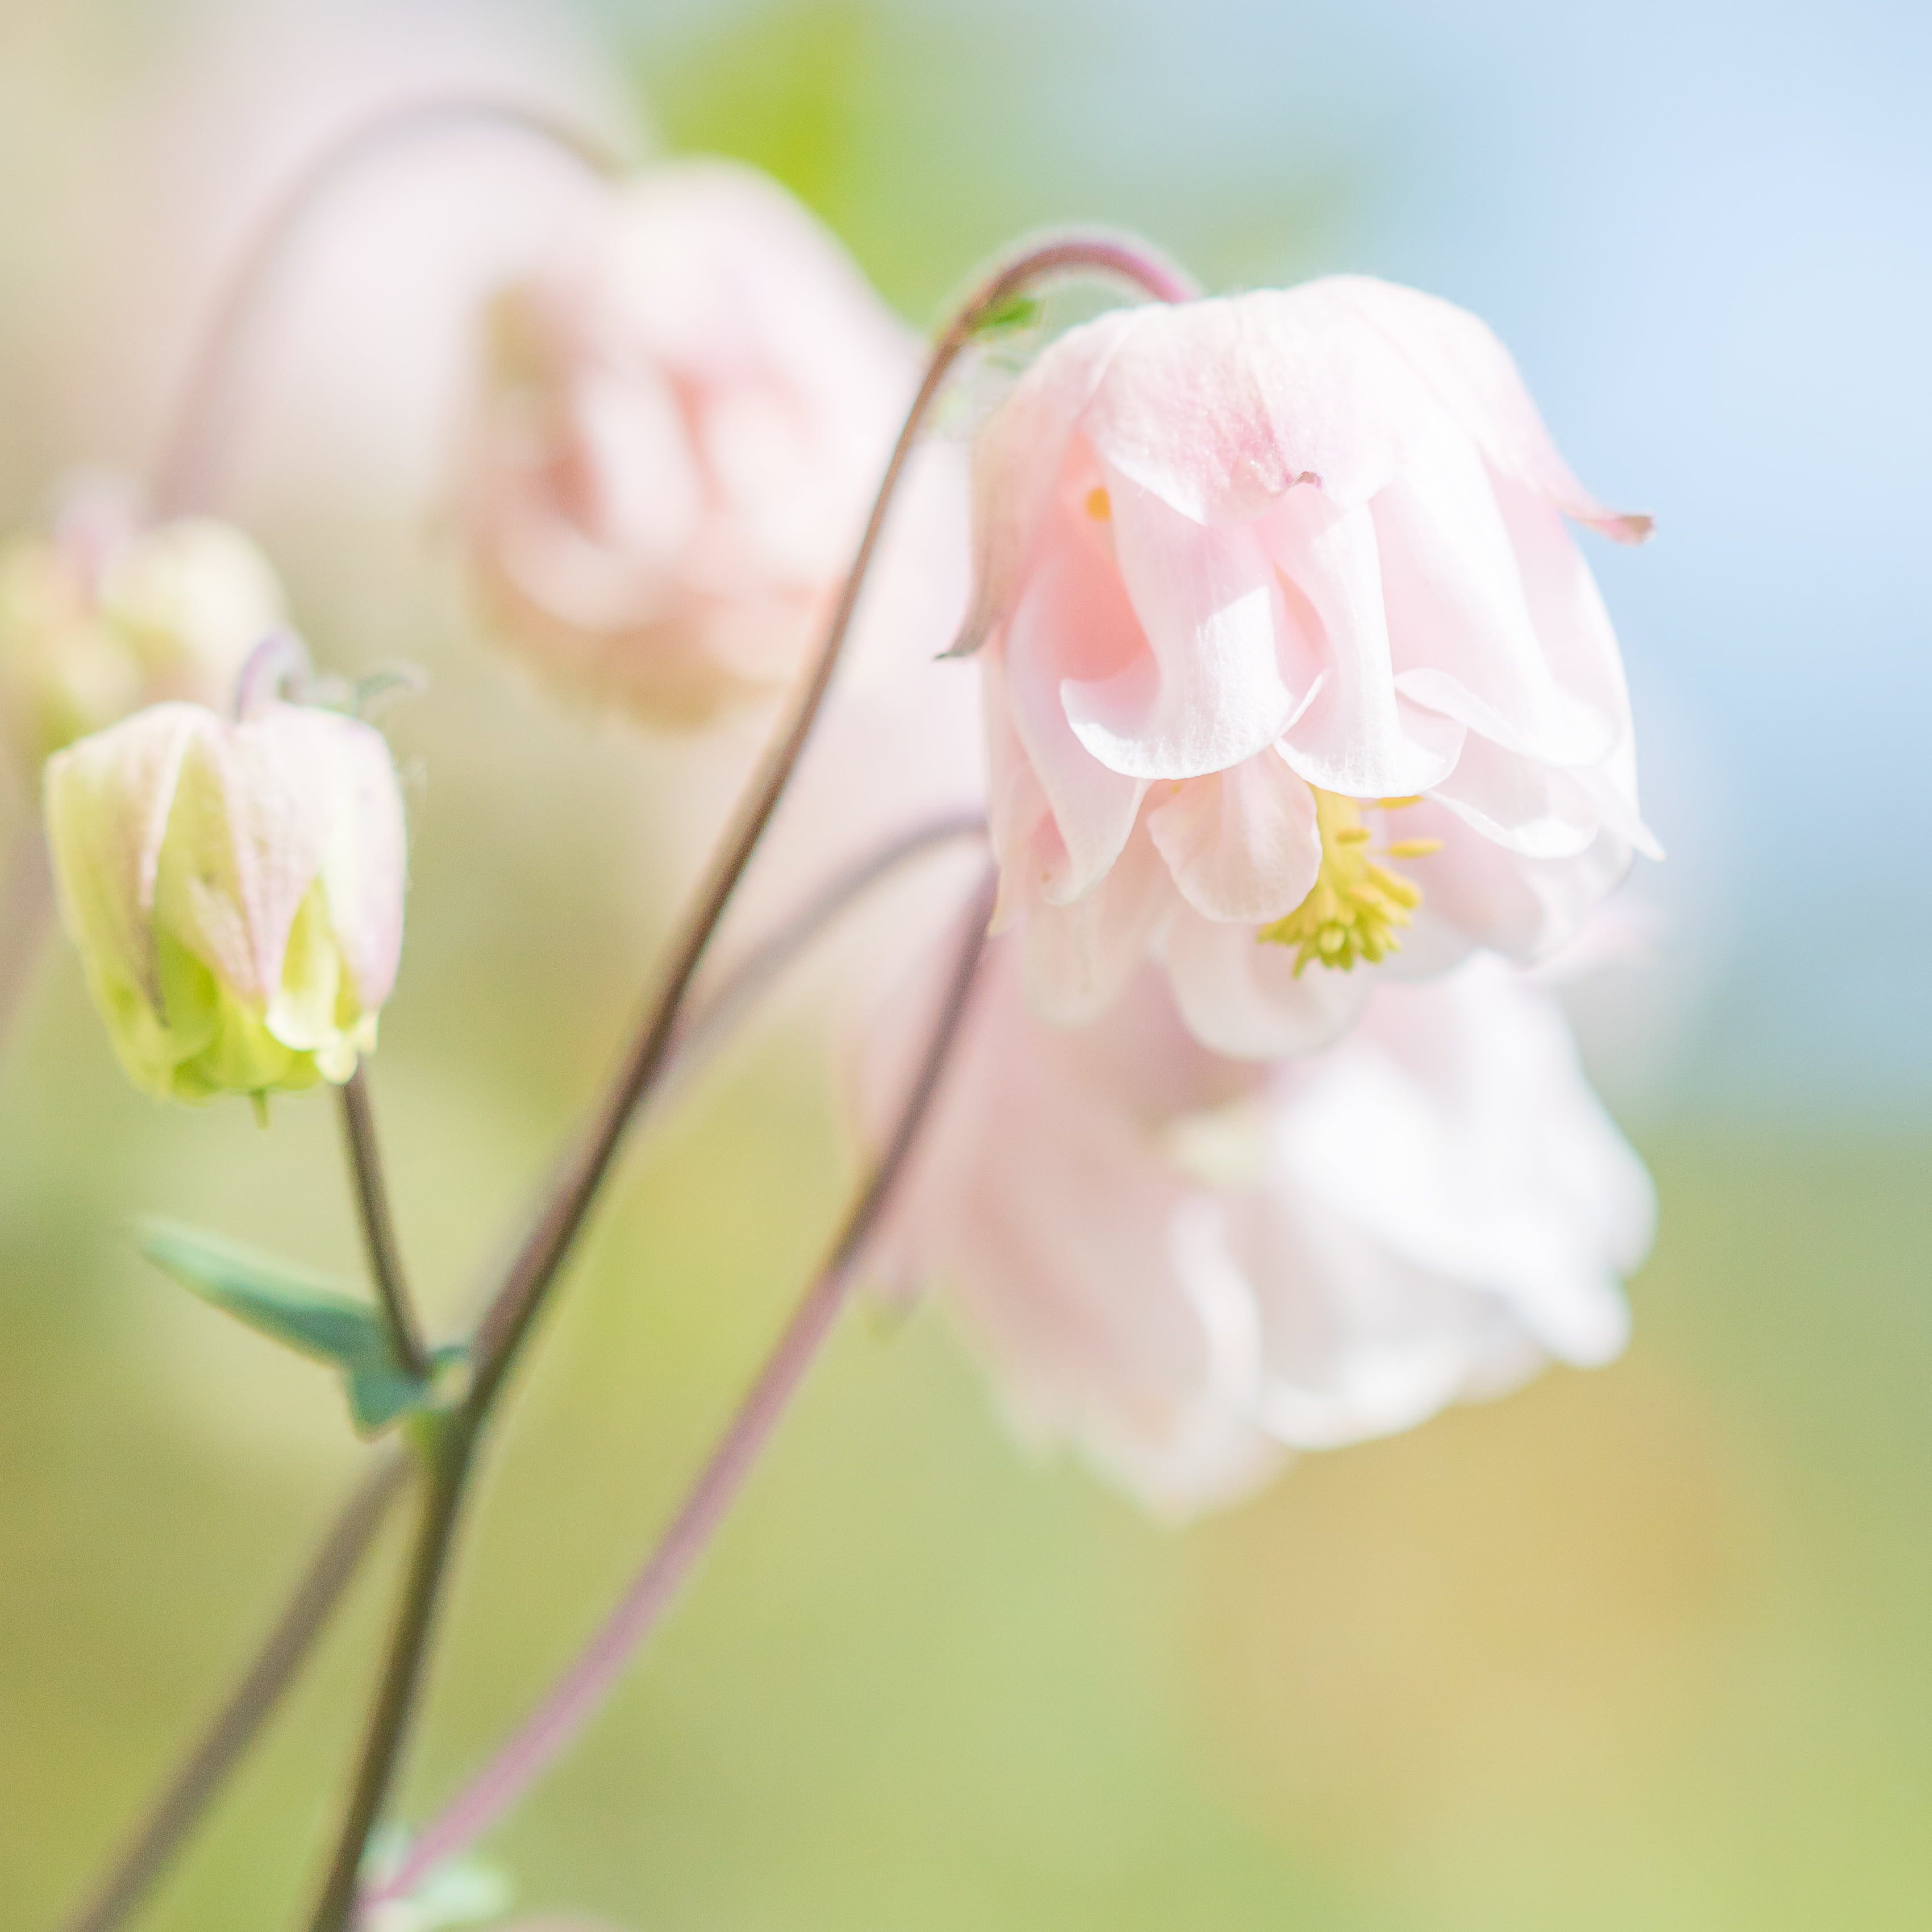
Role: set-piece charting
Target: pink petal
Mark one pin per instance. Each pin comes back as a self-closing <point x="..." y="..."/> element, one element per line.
<point x="1072" y="619"/>
<point x="1477" y="381"/>
<point x="1078" y="956"/>
<point x="1461" y="636"/>
<point x="1218" y="408"/>
<point x="1523" y="907"/>
<point x="364" y="868"/>
<point x="1242" y="844"/>
<point x="1209" y="690"/>
<point x="1240" y="995"/>
<point x="1496" y="1166"/>
<point x="1522" y="805"/>
<point x="244" y="844"/>
<point x="1355" y="733"/>
<point x="1017" y="458"/>
<point x="118" y="789"/>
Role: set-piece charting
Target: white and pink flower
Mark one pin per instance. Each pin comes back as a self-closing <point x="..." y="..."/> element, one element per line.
<point x="1187" y="1264"/>
<point x="1293" y="665"/>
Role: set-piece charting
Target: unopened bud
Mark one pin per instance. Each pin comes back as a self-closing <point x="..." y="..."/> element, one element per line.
<point x="236" y="890"/>
<point x="104" y="614"/>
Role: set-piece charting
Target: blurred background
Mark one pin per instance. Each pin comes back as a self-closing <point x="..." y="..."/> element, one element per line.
<point x="1642" y="1649"/>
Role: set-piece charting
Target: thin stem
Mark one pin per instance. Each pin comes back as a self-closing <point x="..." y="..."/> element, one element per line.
<point x="185" y="476"/>
<point x="255" y="1698"/>
<point x="582" y="1688"/>
<point x="449" y="1464"/>
<point x="378" y="1228"/>
<point x="26" y="899"/>
<point x="516" y="1304"/>
<point x="752" y="977"/>
<point x="241" y="1718"/>
<point x="511" y="1315"/>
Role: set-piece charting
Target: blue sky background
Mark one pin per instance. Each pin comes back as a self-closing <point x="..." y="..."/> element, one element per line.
<point x="1704" y="231"/>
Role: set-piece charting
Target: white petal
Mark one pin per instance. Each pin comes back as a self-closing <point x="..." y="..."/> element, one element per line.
<point x="1242" y="844"/>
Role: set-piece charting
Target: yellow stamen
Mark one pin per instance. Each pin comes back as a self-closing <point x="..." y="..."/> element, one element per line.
<point x="1097" y="505"/>
<point x="1356" y="907"/>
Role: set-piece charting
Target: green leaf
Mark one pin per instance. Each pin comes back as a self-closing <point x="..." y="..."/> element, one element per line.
<point x="1015" y="312"/>
<point x="314" y="1315"/>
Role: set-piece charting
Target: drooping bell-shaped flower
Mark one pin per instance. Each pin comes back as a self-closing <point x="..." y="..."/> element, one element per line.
<point x="235" y="891"/>
<point x="1295" y="674"/>
<point x="682" y="425"/>
<point x="105" y="613"/>
<point x="1187" y="1264"/>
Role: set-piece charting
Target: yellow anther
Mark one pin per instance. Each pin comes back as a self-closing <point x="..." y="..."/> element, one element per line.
<point x="1397" y="804"/>
<point x="1097" y="505"/>
<point x="1356" y="907"/>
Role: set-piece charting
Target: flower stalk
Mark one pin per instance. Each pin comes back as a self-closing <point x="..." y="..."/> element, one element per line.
<point x="253" y="1700"/>
<point x="378" y="1229"/>
<point x="582" y="1688"/>
<point x="509" y="1319"/>
<point x="257" y="1695"/>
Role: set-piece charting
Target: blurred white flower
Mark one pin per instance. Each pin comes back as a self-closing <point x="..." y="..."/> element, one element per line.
<point x="1187" y="1263"/>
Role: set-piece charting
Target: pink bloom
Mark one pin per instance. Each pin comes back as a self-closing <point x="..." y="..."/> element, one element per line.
<point x="684" y="423"/>
<point x="1185" y="1263"/>
<point x="1248" y="569"/>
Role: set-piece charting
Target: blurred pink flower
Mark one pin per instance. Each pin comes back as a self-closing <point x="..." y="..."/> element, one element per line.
<point x="1263" y="579"/>
<point x="684" y="423"/>
<point x="1187" y="1263"/>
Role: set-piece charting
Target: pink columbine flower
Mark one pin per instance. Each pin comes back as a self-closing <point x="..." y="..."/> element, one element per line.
<point x="1187" y="1264"/>
<point x="1293" y="666"/>
<point x="683" y="423"/>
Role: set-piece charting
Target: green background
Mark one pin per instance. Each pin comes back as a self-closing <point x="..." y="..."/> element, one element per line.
<point x="1646" y="1648"/>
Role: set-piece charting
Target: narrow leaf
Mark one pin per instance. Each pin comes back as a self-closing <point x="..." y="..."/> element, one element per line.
<point x="314" y="1315"/>
<point x="309" y="1313"/>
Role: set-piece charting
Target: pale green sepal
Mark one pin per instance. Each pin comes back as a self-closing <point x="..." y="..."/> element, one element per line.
<point x="313" y="1314"/>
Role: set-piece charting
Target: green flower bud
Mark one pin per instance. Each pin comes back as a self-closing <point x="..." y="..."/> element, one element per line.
<point x="103" y="615"/>
<point x="235" y="891"/>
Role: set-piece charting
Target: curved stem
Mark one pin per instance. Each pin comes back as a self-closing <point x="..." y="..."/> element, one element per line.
<point x="449" y="1459"/>
<point x="511" y="1315"/>
<point x="241" y="1718"/>
<point x="749" y="980"/>
<point x="582" y="1688"/>
<point x="378" y="1228"/>
<point x="184" y="477"/>
<point x="255" y="1698"/>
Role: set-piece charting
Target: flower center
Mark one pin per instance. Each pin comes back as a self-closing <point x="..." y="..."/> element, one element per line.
<point x="1356" y="906"/>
